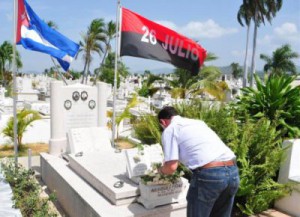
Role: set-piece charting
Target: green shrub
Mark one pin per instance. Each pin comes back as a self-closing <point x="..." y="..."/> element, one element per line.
<point x="259" y="154"/>
<point x="218" y="118"/>
<point x="147" y="129"/>
<point x="274" y="99"/>
<point x="257" y="146"/>
<point x="26" y="191"/>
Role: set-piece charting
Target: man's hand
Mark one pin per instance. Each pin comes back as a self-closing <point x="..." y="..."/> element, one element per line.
<point x="169" y="167"/>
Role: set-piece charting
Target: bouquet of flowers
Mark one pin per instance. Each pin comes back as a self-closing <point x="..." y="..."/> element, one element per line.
<point x="152" y="177"/>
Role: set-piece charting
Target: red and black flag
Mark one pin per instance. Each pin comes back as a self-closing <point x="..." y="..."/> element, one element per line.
<point x="141" y="37"/>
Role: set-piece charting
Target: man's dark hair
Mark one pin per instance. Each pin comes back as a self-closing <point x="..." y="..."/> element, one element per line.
<point x="167" y="113"/>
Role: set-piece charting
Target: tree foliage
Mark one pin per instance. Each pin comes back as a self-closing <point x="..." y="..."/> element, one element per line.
<point x="259" y="154"/>
<point x="108" y="70"/>
<point x="275" y="99"/>
<point x="110" y="33"/>
<point x="92" y="42"/>
<point x="6" y="58"/>
<point x="24" y="118"/>
<point x="281" y="61"/>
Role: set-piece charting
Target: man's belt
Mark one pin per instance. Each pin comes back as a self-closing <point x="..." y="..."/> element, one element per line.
<point x="216" y="164"/>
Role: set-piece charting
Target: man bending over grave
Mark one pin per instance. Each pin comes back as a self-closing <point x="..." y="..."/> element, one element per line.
<point x="215" y="178"/>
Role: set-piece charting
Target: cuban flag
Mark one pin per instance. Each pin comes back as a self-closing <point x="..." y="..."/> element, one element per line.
<point x="34" y="34"/>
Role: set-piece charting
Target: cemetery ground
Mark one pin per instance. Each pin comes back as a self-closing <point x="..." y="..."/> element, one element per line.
<point x="37" y="148"/>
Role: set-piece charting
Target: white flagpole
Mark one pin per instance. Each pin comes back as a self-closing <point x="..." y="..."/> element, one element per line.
<point x="115" y="74"/>
<point x="15" y="83"/>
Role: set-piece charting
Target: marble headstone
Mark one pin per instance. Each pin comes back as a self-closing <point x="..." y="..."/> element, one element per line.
<point x="139" y="161"/>
<point x="75" y="106"/>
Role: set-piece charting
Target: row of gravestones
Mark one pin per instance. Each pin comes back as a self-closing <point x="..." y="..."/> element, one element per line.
<point x="77" y="112"/>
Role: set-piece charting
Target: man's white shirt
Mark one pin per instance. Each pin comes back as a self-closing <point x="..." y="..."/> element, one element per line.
<point x="193" y="143"/>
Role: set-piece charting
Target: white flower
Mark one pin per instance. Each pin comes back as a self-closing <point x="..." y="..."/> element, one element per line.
<point x="136" y="158"/>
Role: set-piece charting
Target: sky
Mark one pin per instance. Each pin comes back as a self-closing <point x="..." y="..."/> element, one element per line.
<point x="213" y="23"/>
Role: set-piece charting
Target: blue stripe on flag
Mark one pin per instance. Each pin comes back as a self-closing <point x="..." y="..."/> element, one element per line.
<point x="59" y="46"/>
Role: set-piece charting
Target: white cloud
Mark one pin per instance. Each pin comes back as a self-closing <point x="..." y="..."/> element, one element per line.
<point x="266" y="40"/>
<point x="288" y="32"/>
<point x="208" y="29"/>
<point x="286" y="28"/>
<point x="195" y="29"/>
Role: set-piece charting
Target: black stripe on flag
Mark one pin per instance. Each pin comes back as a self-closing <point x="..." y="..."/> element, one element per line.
<point x="131" y="45"/>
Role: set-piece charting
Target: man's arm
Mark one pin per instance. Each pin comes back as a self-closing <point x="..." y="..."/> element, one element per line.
<point x="169" y="167"/>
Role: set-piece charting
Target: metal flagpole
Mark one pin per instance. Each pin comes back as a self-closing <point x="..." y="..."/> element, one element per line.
<point x="15" y="83"/>
<point x="115" y="74"/>
<point x="61" y="76"/>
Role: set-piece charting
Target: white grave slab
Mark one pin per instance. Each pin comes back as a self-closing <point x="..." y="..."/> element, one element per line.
<point x="78" y="198"/>
<point x="88" y="139"/>
<point x="103" y="170"/>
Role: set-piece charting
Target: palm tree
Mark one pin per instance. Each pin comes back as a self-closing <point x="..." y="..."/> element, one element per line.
<point x="24" y="119"/>
<point x="236" y="70"/>
<point x="6" y="51"/>
<point x="107" y="71"/>
<point x="182" y="83"/>
<point x="244" y="15"/>
<point x="6" y="57"/>
<point x="281" y="61"/>
<point x="92" y="42"/>
<point x="208" y="80"/>
<point x="53" y="25"/>
<point x="185" y="84"/>
<point x="261" y="10"/>
<point x="134" y="101"/>
<point x="147" y="87"/>
<point x="208" y="83"/>
<point x="110" y="32"/>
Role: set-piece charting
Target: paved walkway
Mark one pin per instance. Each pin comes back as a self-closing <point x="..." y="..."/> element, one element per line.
<point x="272" y="213"/>
<point x="34" y="163"/>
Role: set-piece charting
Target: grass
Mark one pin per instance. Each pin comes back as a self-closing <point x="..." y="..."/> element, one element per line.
<point x="124" y="143"/>
<point x="36" y="149"/>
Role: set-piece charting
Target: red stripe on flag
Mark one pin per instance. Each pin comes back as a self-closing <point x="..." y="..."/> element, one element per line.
<point x="154" y="33"/>
<point x="22" y="19"/>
